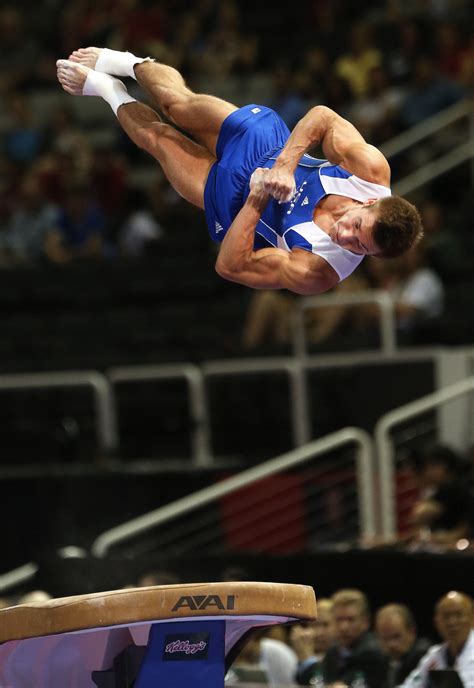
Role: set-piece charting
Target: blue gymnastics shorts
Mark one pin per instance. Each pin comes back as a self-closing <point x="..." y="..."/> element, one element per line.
<point x="248" y="137"/>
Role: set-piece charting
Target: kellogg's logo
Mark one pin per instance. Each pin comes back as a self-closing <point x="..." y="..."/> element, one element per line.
<point x="187" y="646"/>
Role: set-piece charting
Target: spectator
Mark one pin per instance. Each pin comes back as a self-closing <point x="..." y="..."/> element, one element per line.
<point x="140" y="230"/>
<point x="312" y="640"/>
<point x="449" y="49"/>
<point x="23" y="139"/>
<point x="444" y="248"/>
<point x="79" y="230"/>
<point x="287" y="99"/>
<point x="375" y="114"/>
<point x="454" y="619"/>
<point x="29" y="224"/>
<point x="396" y="629"/>
<point x="415" y="288"/>
<point x="442" y="515"/>
<point x="357" y="653"/>
<point x="270" y="315"/>
<point x="428" y="93"/>
<point x="263" y="659"/>
<point x="63" y="135"/>
<point x="355" y="66"/>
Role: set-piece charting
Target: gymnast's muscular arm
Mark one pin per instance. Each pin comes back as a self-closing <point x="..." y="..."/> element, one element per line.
<point x="342" y="145"/>
<point x="269" y="268"/>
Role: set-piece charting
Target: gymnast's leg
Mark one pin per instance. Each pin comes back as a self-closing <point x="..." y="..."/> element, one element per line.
<point x="199" y="115"/>
<point x="185" y="163"/>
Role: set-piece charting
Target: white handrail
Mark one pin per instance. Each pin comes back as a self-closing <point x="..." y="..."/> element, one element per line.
<point x="379" y="297"/>
<point x="104" y="406"/>
<point x="385" y="450"/>
<point x="427" y="127"/>
<point x="435" y="168"/>
<point x="288" y="460"/>
<point x="197" y="399"/>
<point x="16" y="576"/>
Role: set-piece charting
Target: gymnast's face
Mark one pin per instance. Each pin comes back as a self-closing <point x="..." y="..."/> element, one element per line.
<point x="354" y="230"/>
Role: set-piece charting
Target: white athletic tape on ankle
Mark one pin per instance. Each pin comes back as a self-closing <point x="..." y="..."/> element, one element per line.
<point x="113" y="91"/>
<point x="118" y="63"/>
<point x="120" y="97"/>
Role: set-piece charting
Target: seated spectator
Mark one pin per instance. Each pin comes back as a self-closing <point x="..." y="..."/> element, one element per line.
<point x="23" y="140"/>
<point x="375" y="114"/>
<point x="428" y="93"/>
<point x="443" y="513"/>
<point x="356" y="64"/>
<point x="62" y="134"/>
<point x="454" y="619"/>
<point x="312" y="640"/>
<point x="396" y="629"/>
<point x="287" y="99"/>
<point x="79" y="229"/>
<point x="28" y="225"/>
<point x="357" y="653"/>
<point x="262" y="660"/>
<point x="416" y="290"/>
<point x="444" y="247"/>
<point x="270" y="316"/>
<point x="140" y="230"/>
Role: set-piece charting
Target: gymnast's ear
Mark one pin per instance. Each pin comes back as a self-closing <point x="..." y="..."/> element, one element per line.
<point x="370" y="201"/>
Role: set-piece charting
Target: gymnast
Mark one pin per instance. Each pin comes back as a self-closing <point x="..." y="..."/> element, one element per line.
<point x="284" y="219"/>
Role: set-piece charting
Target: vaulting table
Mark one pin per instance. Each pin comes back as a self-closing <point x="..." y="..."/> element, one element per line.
<point x="171" y="636"/>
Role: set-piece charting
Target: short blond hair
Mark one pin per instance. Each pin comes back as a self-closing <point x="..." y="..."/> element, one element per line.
<point x="351" y="596"/>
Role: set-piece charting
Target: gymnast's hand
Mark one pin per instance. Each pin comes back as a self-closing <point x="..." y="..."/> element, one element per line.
<point x="280" y="184"/>
<point x="257" y="185"/>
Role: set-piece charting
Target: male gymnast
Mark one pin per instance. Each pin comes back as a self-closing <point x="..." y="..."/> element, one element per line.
<point x="285" y="219"/>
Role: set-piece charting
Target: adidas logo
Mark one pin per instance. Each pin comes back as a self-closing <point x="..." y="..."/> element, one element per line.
<point x="305" y="201"/>
<point x="255" y="111"/>
<point x="219" y="227"/>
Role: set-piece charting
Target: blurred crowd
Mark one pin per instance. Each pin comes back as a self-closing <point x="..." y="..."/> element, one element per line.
<point x="348" y="647"/>
<point x="74" y="188"/>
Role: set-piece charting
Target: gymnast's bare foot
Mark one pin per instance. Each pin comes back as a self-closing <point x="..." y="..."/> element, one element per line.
<point x="106" y="61"/>
<point x="79" y="80"/>
<point x="86" y="56"/>
<point x="72" y="76"/>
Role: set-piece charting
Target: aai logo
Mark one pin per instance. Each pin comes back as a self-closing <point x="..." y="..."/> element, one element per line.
<point x="205" y="603"/>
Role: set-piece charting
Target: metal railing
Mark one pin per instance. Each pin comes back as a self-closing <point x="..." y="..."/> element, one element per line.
<point x="385" y="451"/>
<point x="193" y="375"/>
<point x="291" y="459"/>
<point x="104" y="405"/>
<point x="378" y="297"/>
<point x="432" y="125"/>
<point x="22" y="574"/>
<point x="428" y="127"/>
